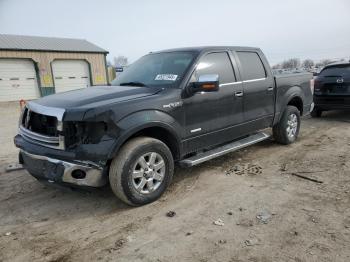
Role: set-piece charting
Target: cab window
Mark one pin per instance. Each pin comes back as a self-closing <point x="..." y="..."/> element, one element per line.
<point x="252" y="66"/>
<point x="215" y="63"/>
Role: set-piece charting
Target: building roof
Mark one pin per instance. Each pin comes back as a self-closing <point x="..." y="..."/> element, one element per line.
<point x="38" y="43"/>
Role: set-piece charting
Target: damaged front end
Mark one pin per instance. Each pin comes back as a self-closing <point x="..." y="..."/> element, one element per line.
<point x="73" y="152"/>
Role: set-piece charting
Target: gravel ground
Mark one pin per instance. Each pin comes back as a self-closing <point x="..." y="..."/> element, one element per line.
<point x="246" y="206"/>
<point x="9" y="115"/>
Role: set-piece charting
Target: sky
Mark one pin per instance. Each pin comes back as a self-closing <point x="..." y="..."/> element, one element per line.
<point x="313" y="29"/>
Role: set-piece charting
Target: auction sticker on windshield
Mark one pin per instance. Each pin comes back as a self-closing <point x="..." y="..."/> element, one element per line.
<point x="166" y="77"/>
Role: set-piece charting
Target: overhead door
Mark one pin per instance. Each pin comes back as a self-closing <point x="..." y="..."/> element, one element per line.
<point x="70" y="75"/>
<point x="18" y="80"/>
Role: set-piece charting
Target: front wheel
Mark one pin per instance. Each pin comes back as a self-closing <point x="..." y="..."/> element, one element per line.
<point x="141" y="171"/>
<point x="287" y="130"/>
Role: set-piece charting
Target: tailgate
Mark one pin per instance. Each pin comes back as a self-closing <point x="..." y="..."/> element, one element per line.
<point x="332" y="85"/>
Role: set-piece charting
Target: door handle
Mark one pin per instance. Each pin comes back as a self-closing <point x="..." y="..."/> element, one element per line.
<point x="270" y="89"/>
<point x="239" y="94"/>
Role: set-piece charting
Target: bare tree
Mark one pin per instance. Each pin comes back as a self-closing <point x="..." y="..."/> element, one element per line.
<point x="319" y="64"/>
<point x="308" y="63"/>
<point x="120" y="61"/>
<point x="291" y="63"/>
<point x="277" y="66"/>
<point x="325" y="62"/>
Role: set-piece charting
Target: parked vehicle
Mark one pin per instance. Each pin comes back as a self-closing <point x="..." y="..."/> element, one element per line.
<point x="182" y="106"/>
<point x="332" y="88"/>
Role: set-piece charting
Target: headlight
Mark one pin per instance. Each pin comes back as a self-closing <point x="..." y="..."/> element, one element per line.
<point x="76" y="133"/>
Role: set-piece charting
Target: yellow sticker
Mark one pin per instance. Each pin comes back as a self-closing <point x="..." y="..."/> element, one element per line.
<point x="99" y="79"/>
<point x="47" y="80"/>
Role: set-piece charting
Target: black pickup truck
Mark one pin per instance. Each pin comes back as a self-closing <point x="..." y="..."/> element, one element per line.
<point x="182" y="106"/>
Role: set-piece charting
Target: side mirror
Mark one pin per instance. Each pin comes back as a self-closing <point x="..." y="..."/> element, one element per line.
<point x="205" y="83"/>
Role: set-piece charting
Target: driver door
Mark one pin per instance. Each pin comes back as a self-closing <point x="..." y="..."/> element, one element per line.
<point x="211" y="118"/>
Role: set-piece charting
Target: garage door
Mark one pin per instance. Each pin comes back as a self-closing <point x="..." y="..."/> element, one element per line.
<point x="18" y="80"/>
<point x="70" y="75"/>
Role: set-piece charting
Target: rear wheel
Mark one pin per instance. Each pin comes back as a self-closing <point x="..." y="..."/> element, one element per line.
<point x="316" y="112"/>
<point x="287" y="130"/>
<point x="141" y="171"/>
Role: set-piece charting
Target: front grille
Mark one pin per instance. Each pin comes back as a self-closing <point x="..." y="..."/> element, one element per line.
<point x="41" y="129"/>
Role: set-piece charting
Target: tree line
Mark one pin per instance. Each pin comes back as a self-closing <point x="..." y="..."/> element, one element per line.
<point x="119" y="61"/>
<point x="294" y="63"/>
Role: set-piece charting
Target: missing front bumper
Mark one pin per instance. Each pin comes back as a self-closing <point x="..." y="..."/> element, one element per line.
<point x="55" y="170"/>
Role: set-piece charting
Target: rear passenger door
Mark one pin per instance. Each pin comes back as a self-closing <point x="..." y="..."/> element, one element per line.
<point x="258" y="91"/>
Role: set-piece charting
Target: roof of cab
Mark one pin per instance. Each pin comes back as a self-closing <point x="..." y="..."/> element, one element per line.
<point x="209" y="48"/>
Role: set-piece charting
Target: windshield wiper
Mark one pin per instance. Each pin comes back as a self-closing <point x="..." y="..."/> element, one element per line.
<point x="133" y="84"/>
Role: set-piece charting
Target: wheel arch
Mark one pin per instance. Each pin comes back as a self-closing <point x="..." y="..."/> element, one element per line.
<point x="162" y="128"/>
<point x="296" y="101"/>
<point x="162" y="133"/>
<point x="293" y="96"/>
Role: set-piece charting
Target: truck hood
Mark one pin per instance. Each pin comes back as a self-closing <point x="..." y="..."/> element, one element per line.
<point x="94" y="96"/>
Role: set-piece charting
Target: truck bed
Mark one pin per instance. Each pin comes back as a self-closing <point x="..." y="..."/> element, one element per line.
<point x="286" y="84"/>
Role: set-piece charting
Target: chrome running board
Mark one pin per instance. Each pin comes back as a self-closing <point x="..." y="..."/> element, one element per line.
<point x="222" y="150"/>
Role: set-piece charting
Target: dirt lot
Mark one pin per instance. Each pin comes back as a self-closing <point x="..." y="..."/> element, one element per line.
<point x="268" y="214"/>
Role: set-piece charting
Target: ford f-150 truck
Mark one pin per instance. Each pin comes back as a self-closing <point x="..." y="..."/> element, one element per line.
<point x="182" y="106"/>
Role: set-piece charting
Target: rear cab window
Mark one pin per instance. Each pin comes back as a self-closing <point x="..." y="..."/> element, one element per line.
<point x="252" y="66"/>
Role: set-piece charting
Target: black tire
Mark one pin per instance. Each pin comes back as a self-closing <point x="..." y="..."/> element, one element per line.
<point x="316" y="112"/>
<point x="123" y="165"/>
<point x="280" y="131"/>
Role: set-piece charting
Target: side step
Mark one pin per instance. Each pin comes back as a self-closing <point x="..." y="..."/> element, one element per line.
<point x="222" y="150"/>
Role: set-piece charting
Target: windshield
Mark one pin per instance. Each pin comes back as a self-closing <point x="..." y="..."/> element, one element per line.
<point x="343" y="70"/>
<point x="160" y="69"/>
